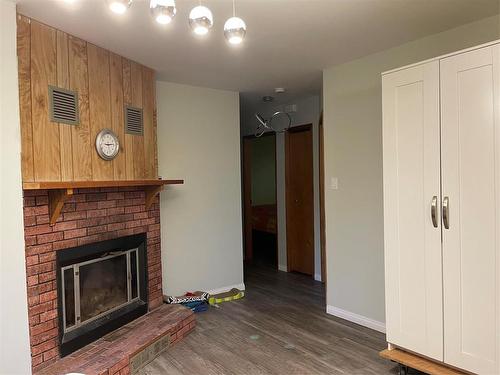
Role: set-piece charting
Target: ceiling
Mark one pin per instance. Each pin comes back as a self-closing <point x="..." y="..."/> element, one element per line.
<point x="288" y="42"/>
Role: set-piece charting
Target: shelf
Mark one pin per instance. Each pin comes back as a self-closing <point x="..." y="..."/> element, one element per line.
<point x="49" y="185"/>
<point x="59" y="192"/>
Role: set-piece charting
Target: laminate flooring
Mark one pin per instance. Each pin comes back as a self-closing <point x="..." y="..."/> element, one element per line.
<point x="280" y="327"/>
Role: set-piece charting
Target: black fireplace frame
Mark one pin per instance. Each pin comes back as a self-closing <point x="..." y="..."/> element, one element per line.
<point x="81" y="336"/>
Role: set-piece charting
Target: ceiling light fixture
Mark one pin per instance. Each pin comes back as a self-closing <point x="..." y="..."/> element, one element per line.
<point x="235" y="29"/>
<point x="119" y="6"/>
<point x="201" y="19"/>
<point x="163" y="11"/>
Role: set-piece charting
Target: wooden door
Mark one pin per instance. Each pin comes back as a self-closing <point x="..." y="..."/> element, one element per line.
<point x="471" y="189"/>
<point x="299" y="200"/>
<point x="247" y="198"/>
<point x="412" y="238"/>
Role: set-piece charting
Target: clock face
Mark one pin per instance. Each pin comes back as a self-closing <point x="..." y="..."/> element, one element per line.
<point x="107" y="144"/>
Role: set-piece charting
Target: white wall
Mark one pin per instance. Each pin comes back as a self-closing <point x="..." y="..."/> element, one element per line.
<point x="308" y="112"/>
<point x="353" y="153"/>
<point x="201" y="222"/>
<point x="15" y="355"/>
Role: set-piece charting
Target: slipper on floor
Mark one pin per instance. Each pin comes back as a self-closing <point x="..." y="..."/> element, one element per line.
<point x="232" y="295"/>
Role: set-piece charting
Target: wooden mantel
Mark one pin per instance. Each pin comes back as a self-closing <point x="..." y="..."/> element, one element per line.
<point x="60" y="191"/>
<point x="96" y="184"/>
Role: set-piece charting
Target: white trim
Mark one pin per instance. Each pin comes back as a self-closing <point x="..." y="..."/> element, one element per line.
<point x="317" y="277"/>
<point x="484" y="45"/>
<point x="227" y="288"/>
<point x="355" y="318"/>
<point x="283" y="268"/>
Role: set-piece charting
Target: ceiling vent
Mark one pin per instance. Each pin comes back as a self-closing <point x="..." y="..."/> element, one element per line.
<point x="133" y="121"/>
<point x="63" y="106"/>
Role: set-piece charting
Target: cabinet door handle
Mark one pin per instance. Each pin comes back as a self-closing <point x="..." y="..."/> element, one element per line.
<point x="434" y="211"/>
<point x="446" y="212"/>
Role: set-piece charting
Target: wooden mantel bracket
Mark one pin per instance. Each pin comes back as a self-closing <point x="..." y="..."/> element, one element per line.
<point x="151" y="193"/>
<point x="57" y="198"/>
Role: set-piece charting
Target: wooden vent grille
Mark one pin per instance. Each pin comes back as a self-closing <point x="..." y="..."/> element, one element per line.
<point x="63" y="106"/>
<point x="134" y="121"/>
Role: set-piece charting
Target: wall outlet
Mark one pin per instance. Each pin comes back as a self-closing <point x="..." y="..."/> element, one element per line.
<point x="334" y="183"/>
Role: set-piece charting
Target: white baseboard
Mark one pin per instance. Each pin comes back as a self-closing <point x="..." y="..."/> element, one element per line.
<point x="282" y="267"/>
<point x="355" y="318"/>
<point x="317" y="277"/>
<point x="226" y="288"/>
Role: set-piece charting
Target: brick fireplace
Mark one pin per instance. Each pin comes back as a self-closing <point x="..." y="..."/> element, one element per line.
<point x="89" y="216"/>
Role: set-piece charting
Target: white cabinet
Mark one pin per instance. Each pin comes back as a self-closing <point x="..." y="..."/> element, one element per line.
<point x="470" y="182"/>
<point x="442" y="209"/>
<point x="411" y="187"/>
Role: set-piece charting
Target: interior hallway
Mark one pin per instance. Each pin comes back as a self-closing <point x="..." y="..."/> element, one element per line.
<point x="280" y="327"/>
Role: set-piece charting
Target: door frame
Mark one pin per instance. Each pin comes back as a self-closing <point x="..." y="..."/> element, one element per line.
<point x="321" y="145"/>
<point x="296" y="129"/>
<point x="246" y="193"/>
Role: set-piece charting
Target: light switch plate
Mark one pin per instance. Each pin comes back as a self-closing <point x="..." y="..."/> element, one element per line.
<point x="334" y="183"/>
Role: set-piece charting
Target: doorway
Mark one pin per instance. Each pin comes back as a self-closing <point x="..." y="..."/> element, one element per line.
<point x="259" y="195"/>
<point x="300" y="199"/>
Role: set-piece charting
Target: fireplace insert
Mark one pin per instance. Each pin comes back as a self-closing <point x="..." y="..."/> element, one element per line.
<point x="101" y="286"/>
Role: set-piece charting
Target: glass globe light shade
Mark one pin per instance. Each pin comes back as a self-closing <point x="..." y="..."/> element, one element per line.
<point x="201" y="20"/>
<point x="235" y="30"/>
<point x="163" y="11"/>
<point x="119" y="6"/>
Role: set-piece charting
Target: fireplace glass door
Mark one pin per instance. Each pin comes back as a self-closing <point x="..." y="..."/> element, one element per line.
<point x="97" y="287"/>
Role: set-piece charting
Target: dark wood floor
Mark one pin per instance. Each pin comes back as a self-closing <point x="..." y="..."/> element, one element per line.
<point x="279" y="328"/>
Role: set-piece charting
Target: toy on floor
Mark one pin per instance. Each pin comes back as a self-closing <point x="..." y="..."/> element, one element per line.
<point x="197" y="301"/>
<point x="197" y="306"/>
<point x="189" y="297"/>
<point x="232" y="295"/>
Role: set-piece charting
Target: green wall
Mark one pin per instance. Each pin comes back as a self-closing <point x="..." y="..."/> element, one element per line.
<point x="264" y="170"/>
<point x="353" y="153"/>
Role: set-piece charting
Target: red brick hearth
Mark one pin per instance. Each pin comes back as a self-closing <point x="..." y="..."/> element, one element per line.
<point x="114" y="353"/>
<point x="90" y="215"/>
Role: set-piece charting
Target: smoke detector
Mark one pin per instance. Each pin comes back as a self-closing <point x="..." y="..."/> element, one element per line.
<point x="267" y="98"/>
<point x="279" y="90"/>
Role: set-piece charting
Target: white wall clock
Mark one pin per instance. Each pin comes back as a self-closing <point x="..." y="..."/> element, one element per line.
<point x="107" y="144"/>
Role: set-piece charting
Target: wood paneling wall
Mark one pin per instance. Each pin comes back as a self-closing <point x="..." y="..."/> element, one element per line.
<point x="105" y="82"/>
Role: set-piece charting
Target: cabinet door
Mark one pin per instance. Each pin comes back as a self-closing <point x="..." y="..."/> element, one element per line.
<point x="413" y="268"/>
<point x="471" y="186"/>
